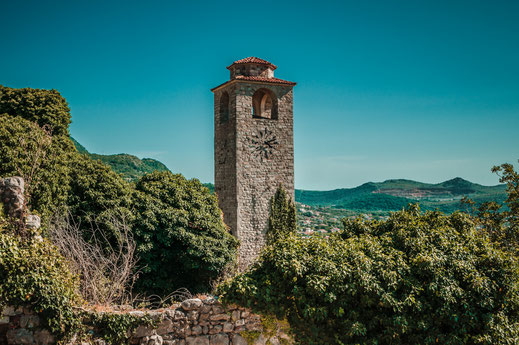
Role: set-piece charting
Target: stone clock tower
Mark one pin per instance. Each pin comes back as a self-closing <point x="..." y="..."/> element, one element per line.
<point x="253" y="149"/>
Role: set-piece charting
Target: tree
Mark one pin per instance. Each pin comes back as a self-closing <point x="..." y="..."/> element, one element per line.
<point x="180" y="235"/>
<point x="97" y="193"/>
<point x="501" y="222"/>
<point x="282" y="218"/>
<point x="417" y="278"/>
<point x="44" y="107"/>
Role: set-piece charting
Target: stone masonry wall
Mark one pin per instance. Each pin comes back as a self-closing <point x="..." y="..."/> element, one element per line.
<point x="193" y="322"/>
<point x="258" y="176"/>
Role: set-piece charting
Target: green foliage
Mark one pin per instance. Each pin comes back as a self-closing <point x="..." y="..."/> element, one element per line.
<point x="282" y="217"/>
<point x="96" y="194"/>
<point x="44" y="107"/>
<point x="116" y="328"/>
<point x="417" y="278"/>
<point x="500" y="221"/>
<point x="181" y="238"/>
<point x="32" y="273"/>
<point x="27" y="150"/>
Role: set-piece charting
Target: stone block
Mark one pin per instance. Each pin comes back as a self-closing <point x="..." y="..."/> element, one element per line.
<point x="192" y="315"/>
<point x="20" y="336"/>
<point x="218" y="309"/>
<point x="166" y="326"/>
<point x="152" y="340"/>
<point x="200" y="340"/>
<point x="219" y="339"/>
<point x="239" y="340"/>
<point x="191" y="304"/>
<point x="29" y="321"/>
<point x="220" y="317"/>
<point x="196" y="330"/>
<point x="228" y="327"/>
<point x="235" y="315"/>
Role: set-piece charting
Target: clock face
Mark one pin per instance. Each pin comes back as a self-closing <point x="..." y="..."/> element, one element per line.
<point x="263" y="143"/>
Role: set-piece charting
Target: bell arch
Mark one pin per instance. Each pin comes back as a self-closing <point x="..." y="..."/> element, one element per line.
<point x="264" y="104"/>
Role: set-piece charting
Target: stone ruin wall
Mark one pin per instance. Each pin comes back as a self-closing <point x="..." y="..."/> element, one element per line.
<point x="12" y="201"/>
<point x="193" y="322"/>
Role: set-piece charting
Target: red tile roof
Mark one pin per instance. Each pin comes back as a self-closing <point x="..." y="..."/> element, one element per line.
<point x="260" y="79"/>
<point x="265" y="79"/>
<point x="253" y="59"/>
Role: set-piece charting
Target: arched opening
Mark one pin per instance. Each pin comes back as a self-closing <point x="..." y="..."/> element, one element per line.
<point x="264" y="104"/>
<point x="224" y="107"/>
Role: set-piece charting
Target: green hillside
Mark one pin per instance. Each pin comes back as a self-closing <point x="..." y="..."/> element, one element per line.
<point x="392" y="195"/>
<point x="131" y="167"/>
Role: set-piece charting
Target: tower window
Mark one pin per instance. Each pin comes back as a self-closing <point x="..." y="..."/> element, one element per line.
<point x="224" y="107"/>
<point x="264" y="104"/>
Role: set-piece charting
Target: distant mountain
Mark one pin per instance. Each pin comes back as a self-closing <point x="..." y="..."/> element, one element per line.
<point x="392" y="195"/>
<point x="129" y="166"/>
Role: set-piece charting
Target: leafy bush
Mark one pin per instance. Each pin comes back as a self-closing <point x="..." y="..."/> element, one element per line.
<point x="282" y="216"/>
<point x="413" y="279"/>
<point x="27" y="150"/>
<point x="96" y="194"/>
<point x="32" y="273"/>
<point x="180" y="235"/>
<point x="44" y="107"/>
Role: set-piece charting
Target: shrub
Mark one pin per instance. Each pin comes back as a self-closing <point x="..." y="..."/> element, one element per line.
<point x="29" y="151"/>
<point x="413" y="279"/>
<point x="180" y="235"/>
<point x="106" y="272"/>
<point x="32" y="273"/>
<point x="97" y="193"/>
<point x="282" y="217"/>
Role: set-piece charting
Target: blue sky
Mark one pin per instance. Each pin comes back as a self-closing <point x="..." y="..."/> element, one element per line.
<point x="424" y="90"/>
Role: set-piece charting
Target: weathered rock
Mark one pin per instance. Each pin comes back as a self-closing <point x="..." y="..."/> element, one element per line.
<point x="219" y="317"/>
<point x="239" y="340"/>
<point x="192" y="315"/>
<point x="216" y="329"/>
<point x="219" y="339"/>
<point x="235" y="315"/>
<point x="201" y="340"/>
<point x="228" y="327"/>
<point x="152" y="340"/>
<point x="32" y="221"/>
<point x="196" y="330"/>
<point x="191" y="304"/>
<point x="218" y="309"/>
<point x="43" y="337"/>
<point x="143" y="331"/>
<point x="29" y="321"/>
<point x="19" y="337"/>
<point x="166" y="326"/>
<point x="9" y="311"/>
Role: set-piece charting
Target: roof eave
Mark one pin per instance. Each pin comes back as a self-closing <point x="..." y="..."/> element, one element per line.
<point x="286" y="83"/>
<point x="274" y="67"/>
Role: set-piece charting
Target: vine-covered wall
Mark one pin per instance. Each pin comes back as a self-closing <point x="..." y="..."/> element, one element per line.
<point x="192" y="322"/>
